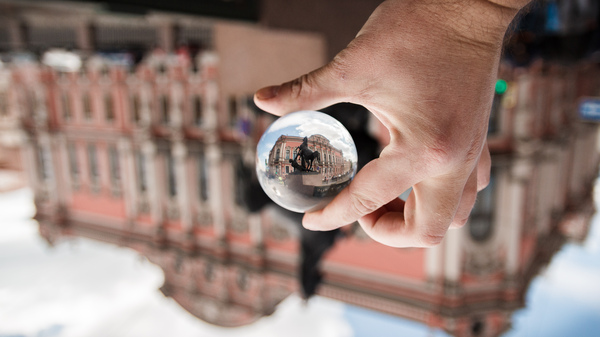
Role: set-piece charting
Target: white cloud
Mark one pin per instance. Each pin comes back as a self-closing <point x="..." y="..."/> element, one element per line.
<point x="308" y="123"/>
<point x="84" y="288"/>
<point x="575" y="282"/>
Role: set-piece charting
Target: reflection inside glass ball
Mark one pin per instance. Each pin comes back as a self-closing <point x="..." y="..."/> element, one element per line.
<point x="304" y="159"/>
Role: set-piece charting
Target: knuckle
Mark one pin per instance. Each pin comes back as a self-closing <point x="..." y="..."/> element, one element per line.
<point x="301" y="86"/>
<point x="361" y="204"/>
<point x="431" y="239"/>
<point x="445" y="150"/>
<point x="440" y="153"/>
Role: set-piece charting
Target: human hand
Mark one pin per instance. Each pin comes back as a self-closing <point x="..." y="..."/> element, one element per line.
<point x="427" y="72"/>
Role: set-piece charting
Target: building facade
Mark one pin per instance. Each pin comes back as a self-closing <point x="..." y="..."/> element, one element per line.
<point x="330" y="163"/>
<point x="155" y="178"/>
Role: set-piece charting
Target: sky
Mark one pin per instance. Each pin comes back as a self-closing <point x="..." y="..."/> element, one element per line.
<point x="83" y="288"/>
<point x="565" y="299"/>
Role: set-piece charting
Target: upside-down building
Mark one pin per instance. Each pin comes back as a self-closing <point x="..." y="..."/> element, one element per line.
<point x="158" y="157"/>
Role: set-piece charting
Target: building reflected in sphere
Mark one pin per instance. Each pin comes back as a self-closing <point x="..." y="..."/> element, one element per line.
<point x="303" y="171"/>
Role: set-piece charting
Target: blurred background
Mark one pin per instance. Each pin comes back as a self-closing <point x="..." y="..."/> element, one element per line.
<point x="129" y="203"/>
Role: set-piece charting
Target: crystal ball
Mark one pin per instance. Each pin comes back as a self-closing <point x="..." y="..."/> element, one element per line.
<point x="304" y="159"/>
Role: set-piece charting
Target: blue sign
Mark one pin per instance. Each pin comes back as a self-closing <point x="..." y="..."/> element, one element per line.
<point x="589" y="109"/>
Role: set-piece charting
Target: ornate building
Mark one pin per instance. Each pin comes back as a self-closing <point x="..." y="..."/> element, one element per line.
<point x="147" y="178"/>
<point x="330" y="163"/>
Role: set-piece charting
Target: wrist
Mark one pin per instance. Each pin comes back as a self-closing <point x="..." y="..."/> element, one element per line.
<point x="475" y="21"/>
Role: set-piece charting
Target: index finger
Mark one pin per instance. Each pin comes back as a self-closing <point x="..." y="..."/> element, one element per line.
<point x="375" y="185"/>
<point x="421" y="222"/>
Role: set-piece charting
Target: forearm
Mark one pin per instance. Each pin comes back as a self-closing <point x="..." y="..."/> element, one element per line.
<point x="479" y="21"/>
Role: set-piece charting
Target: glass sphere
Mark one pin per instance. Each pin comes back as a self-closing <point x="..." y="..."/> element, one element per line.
<point x="304" y="159"/>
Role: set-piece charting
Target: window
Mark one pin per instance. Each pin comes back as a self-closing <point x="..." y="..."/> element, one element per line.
<point x="494" y="123"/>
<point x="287" y="154"/>
<point x="3" y="104"/>
<point x="109" y="107"/>
<point x="115" y="173"/>
<point x="481" y="220"/>
<point x="87" y="106"/>
<point x="135" y="107"/>
<point x="197" y="109"/>
<point x="66" y="106"/>
<point x="43" y="164"/>
<point x="240" y="182"/>
<point x="73" y="163"/>
<point x="93" y="163"/>
<point x="171" y="181"/>
<point x="277" y="153"/>
<point x="242" y="280"/>
<point x="287" y="169"/>
<point x="31" y="103"/>
<point x="164" y="108"/>
<point x="232" y="108"/>
<point x="141" y="172"/>
<point x="209" y="271"/>
<point x="202" y="178"/>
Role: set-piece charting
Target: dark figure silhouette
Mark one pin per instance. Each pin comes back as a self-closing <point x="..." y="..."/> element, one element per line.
<point x="313" y="246"/>
<point x="307" y="156"/>
<point x="316" y="244"/>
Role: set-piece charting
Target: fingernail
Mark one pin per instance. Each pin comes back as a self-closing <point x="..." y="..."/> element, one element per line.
<point x="267" y="93"/>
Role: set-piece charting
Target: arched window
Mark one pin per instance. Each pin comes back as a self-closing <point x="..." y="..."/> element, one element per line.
<point x="277" y="154"/>
<point x="287" y="154"/>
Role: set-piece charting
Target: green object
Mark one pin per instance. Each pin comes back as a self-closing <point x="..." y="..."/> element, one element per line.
<point x="501" y="86"/>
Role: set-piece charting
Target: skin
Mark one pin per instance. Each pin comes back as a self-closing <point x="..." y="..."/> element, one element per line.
<point x="426" y="70"/>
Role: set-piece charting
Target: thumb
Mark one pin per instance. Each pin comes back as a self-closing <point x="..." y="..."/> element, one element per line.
<point x="315" y="90"/>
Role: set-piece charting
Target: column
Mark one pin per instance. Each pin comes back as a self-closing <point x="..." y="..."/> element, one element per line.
<point x="523" y="114"/>
<point x="453" y="256"/>
<point x="146" y="96"/>
<point x="177" y="97"/>
<point x="166" y="36"/>
<point x="211" y="94"/>
<point x="433" y="262"/>
<point x="576" y="164"/>
<point x="255" y="228"/>
<point x="546" y="191"/>
<point x="514" y="210"/>
<point x="128" y="177"/>
<point x="65" y="169"/>
<point x="149" y="151"/>
<point x="215" y="188"/>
